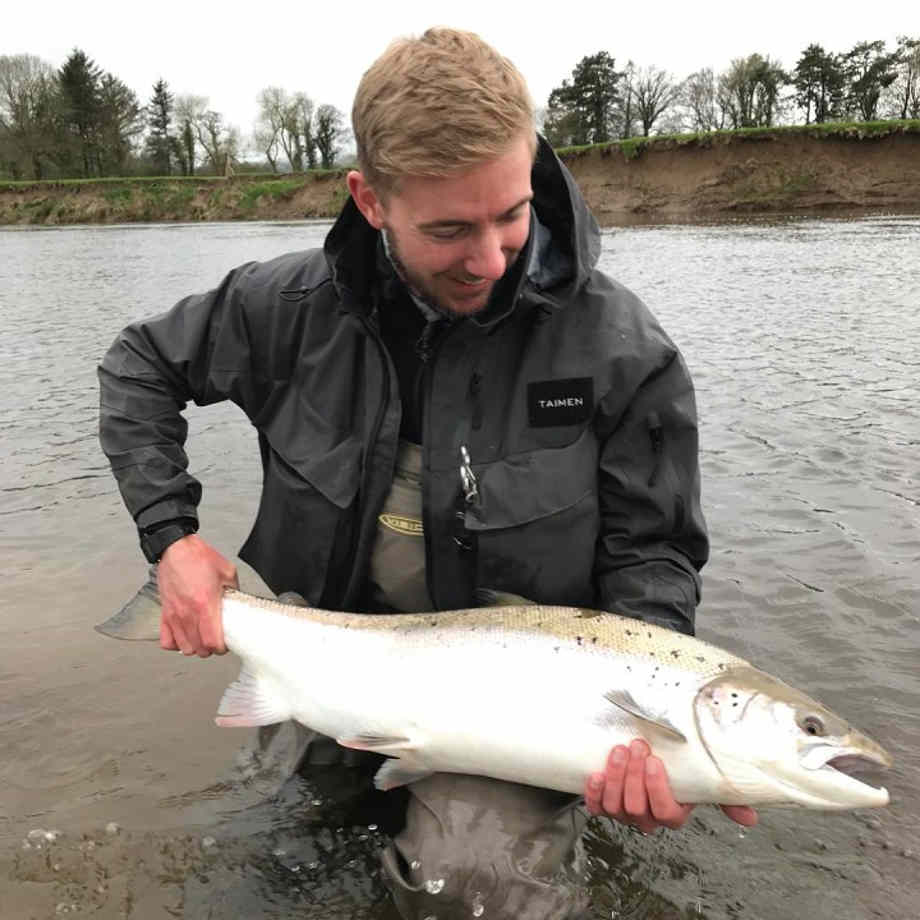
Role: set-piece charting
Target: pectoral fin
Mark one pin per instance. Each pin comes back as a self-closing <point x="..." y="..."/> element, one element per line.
<point x="627" y="702"/>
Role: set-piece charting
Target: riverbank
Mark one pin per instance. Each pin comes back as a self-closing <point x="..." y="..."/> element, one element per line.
<point x="801" y="168"/>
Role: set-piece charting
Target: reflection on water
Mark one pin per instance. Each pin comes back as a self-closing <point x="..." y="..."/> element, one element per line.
<point x="801" y="336"/>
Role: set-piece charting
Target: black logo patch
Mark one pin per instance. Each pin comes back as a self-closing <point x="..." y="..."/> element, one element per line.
<point x="560" y="402"/>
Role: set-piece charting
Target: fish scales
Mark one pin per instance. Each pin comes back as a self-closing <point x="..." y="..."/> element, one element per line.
<point x="580" y="626"/>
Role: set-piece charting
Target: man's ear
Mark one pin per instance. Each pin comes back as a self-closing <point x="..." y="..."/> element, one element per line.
<point x="366" y="199"/>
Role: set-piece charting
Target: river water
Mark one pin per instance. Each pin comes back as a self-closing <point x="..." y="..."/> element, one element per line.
<point x="803" y="336"/>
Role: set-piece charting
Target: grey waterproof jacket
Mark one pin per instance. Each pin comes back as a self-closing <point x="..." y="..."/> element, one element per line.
<point x="576" y="410"/>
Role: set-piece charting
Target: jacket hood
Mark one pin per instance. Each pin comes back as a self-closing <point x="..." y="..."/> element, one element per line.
<point x="562" y="249"/>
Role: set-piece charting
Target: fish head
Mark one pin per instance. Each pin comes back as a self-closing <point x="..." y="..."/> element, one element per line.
<point x="774" y="744"/>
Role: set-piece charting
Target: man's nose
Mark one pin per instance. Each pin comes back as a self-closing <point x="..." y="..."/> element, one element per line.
<point x="486" y="257"/>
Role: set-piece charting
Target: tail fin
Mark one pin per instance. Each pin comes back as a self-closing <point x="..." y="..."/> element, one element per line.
<point x="139" y="619"/>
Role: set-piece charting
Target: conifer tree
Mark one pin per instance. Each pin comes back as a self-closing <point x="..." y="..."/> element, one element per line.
<point x="160" y="143"/>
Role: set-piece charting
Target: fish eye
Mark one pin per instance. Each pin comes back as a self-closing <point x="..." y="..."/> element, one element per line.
<point x="812" y="725"/>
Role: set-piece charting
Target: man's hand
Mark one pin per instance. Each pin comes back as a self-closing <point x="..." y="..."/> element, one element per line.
<point x="191" y="577"/>
<point x="634" y="789"/>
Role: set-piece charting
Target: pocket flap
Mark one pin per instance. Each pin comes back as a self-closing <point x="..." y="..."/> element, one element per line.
<point x="335" y="473"/>
<point x="529" y="486"/>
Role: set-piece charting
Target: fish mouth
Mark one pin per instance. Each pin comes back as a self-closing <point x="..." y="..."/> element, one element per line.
<point x="857" y="772"/>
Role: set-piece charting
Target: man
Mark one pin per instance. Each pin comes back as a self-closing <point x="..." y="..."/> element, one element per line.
<point x="451" y="369"/>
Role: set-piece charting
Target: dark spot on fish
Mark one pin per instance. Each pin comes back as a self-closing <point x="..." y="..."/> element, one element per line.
<point x="676" y="683"/>
<point x="556" y="649"/>
<point x="649" y="635"/>
<point x="593" y="639"/>
<point x="628" y="632"/>
<point x="434" y="622"/>
<point x="578" y="639"/>
<point x="721" y="667"/>
<point x="652" y="654"/>
<point x="675" y="653"/>
<point x="700" y="658"/>
<point x="735" y="695"/>
<point x="629" y="667"/>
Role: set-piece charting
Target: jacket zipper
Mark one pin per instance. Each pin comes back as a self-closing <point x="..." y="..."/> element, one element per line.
<point x="427" y="348"/>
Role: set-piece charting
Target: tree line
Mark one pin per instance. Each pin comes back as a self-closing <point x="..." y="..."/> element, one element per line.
<point x="600" y="103"/>
<point x="79" y="121"/>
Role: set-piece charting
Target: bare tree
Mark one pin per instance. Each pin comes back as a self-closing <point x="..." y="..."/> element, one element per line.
<point x="221" y="142"/>
<point x="27" y="114"/>
<point x="286" y="122"/>
<point x="903" y="96"/>
<point x="269" y="126"/>
<point x="188" y="110"/>
<point x="654" y="93"/>
<point x="699" y="94"/>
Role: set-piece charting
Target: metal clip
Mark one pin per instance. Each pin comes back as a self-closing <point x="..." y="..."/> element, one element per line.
<point x="467" y="477"/>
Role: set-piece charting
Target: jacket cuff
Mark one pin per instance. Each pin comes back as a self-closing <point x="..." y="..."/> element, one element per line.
<point x="167" y="510"/>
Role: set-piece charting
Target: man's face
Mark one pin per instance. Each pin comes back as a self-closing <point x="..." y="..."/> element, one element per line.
<point x="453" y="238"/>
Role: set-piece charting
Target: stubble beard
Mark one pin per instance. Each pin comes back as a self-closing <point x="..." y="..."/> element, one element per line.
<point x="391" y="247"/>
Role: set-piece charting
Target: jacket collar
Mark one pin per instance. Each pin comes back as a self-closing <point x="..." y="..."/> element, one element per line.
<point x="562" y="248"/>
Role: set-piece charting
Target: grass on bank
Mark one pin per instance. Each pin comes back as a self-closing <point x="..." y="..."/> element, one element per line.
<point x="633" y="147"/>
<point x="289" y="180"/>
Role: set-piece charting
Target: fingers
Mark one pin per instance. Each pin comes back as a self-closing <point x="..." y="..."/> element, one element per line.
<point x="634" y="789"/>
<point x="741" y="814"/>
<point x="660" y="798"/>
<point x="191" y="578"/>
<point x="167" y="640"/>
<point x="181" y="620"/>
<point x="635" y="798"/>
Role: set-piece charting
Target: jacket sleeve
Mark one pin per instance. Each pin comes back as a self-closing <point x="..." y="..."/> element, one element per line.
<point x="653" y="539"/>
<point x="201" y="350"/>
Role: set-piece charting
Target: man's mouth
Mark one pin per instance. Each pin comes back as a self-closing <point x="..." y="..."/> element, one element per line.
<point x="471" y="282"/>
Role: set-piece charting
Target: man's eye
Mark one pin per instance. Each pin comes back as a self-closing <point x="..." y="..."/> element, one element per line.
<point x="448" y="233"/>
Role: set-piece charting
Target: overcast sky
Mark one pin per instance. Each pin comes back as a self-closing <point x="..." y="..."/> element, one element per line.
<point x="228" y="52"/>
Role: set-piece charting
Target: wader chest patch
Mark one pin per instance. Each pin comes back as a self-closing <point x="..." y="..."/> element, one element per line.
<point x="560" y="402"/>
<point x="407" y="526"/>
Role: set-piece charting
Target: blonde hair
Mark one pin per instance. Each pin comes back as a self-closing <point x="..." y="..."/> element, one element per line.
<point x="437" y="105"/>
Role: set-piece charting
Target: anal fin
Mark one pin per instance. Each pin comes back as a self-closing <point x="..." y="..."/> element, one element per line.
<point x="251" y="701"/>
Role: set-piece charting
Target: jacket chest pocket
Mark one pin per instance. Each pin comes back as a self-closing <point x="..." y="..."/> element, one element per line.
<point x="536" y="520"/>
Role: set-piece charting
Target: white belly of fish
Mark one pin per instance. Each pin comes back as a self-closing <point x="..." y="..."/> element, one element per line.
<point x="521" y="707"/>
